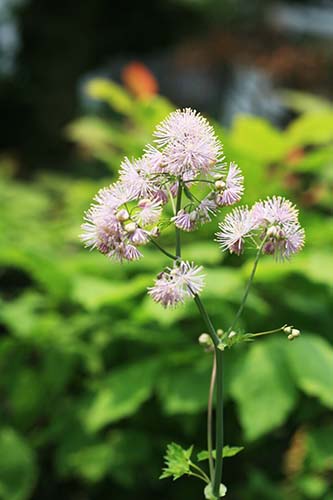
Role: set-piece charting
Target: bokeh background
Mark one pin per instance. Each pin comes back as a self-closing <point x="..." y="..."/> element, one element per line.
<point x="95" y="379"/>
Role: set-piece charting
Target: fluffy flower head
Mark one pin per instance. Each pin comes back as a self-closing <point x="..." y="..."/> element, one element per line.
<point x="189" y="144"/>
<point x="176" y="284"/>
<point x="236" y="226"/>
<point x="272" y="224"/>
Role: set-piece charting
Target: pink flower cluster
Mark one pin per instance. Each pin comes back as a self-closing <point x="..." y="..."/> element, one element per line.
<point x="227" y="190"/>
<point x="272" y="223"/>
<point x="116" y="230"/>
<point x="187" y="157"/>
<point x="127" y="214"/>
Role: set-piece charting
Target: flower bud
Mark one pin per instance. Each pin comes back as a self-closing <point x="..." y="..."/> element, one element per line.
<point x="231" y="334"/>
<point x="295" y="333"/>
<point x="130" y="227"/>
<point x="122" y="215"/>
<point x="155" y="232"/>
<point x="220" y="185"/>
<point x="139" y="237"/>
<point x="204" y="339"/>
<point x="291" y="337"/>
<point x="287" y="329"/>
<point x="272" y="232"/>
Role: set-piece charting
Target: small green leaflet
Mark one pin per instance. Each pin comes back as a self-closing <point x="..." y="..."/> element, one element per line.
<point x="228" y="451"/>
<point x="177" y="461"/>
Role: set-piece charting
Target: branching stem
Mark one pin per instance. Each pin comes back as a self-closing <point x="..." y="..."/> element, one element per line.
<point x="248" y="285"/>
<point x="178" y="207"/>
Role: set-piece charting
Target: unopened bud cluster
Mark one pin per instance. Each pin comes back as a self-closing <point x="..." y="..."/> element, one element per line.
<point x="292" y="332"/>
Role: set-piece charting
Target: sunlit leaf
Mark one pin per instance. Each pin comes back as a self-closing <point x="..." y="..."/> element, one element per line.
<point x="228" y="451"/>
<point x="263" y="389"/>
<point x="311" y="362"/>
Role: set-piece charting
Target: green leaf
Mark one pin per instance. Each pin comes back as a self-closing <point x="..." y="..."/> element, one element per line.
<point x="120" y="395"/>
<point x="228" y="451"/>
<point x="188" y="193"/>
<point x="208" y="491"/>
<point x="249" y="134"/>
<point x="304" y="102"/>
<point x="118" y="454"/>
<point x="112" y="93"/>
<point x="263" y="388"/>
<point x="177" y="461"/>
<point x="93" y="293"/>
<point x="311" y="362"/>
<point x="17" y="467"/>
<point x="223" y="283"/>
<point x="208" y="251"/>
<point x="311" y="128"/>
<point x="184" y="390"/>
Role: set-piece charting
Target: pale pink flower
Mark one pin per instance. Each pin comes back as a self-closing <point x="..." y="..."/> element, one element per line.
<point x="189" y="276"/>
<point x="186" y="221"/>
<point x="137" y="175"/>
<point x="273" y="221"/>
<point x="165" y="292"/>
<point x="294" y="239"/>
<point x="149" y="212"/>
<point x="234" y="188"/>
<point x="154" y="158"/>
<point x="100" y="228"/>
<point x="189" y="144"/>
<point x="289" y="239"/>
<point x="206" y="209"/>
<point x="115" y="195"/>
<point x="162" y="196"/>
<point x="132" y="253"/>
<point x="236" y="226"/>
<point x="176" y="284"/>
<point x="107" y="226"/>
<point x="139" y="237"/>
<point x="275" y="210"/>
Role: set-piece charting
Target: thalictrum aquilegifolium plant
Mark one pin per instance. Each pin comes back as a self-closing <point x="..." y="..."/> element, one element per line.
<point x="183" y="180"/>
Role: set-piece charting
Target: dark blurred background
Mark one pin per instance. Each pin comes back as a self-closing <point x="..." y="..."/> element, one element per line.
<point x="223" y="57"/>
<point x="95" y="379"/>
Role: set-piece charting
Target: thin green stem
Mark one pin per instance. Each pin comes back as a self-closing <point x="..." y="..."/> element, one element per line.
<point x="219" y="370"/>
<point x="168" y="254"/>
<point x="199" y="180"/>
<point x="219" y="423"/>
<point x="171" y="200"/>
<point x="219" y="396"/>
<point x="198" y="476"/>
<point x="211" y="330"/>
<point x="210" y="419"/>
<point x="204" y="475"/>
<point x="267" y="332"/>
<point x="248" y="286"/>
<point x="178" y="206"/>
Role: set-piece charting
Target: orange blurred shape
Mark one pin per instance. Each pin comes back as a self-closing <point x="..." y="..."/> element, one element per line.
<point x="295" y="156"/>
<point x="139" y="80"/>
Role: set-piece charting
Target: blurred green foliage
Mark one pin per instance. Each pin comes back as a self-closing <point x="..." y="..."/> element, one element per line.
<point x="96" y="378"/>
